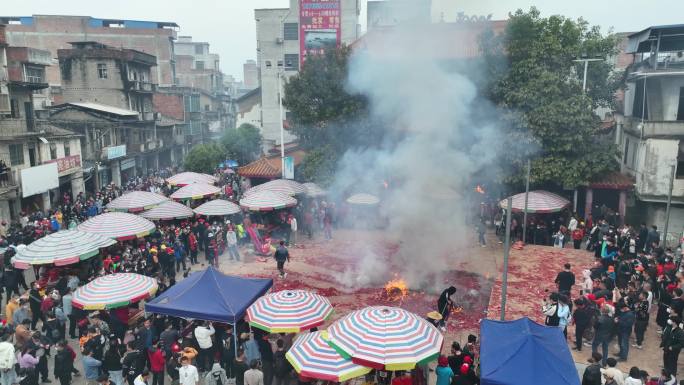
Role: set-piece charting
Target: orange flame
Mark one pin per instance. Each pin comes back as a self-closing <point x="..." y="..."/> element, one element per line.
<point x="396" y="289"/>
<point x="480" y="189"/>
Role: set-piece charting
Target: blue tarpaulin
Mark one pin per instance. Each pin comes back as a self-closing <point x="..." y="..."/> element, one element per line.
<point x="522" y="352"/>
<point x="210" y="295"/>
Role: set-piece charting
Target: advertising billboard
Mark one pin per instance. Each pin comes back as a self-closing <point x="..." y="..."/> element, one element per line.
<point x="116" y="152"/>
<point x="39" y="179"/>
<point x="289" y="167"/>
<point x="67" y="164"/>
<point x="319" y="27"/>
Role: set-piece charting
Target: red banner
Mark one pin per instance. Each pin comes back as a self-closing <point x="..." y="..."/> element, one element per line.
<point x="67" y="163"/>
<point x="319" y="26"/>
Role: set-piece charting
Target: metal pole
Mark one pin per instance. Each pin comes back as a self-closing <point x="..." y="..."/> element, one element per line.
<point x="282" y="134"/>
<point x="527" y="193"/>
<point x="669" y="202"/>
<point x="584" y="82"/>
<point x="507" y="248"/>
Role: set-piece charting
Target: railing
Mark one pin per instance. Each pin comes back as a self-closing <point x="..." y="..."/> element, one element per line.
<point x="147" y="116"/>
<point x="139" y="85"/>
<point x="664" y="60"/>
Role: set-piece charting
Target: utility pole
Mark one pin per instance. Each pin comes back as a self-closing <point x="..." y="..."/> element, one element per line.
<point x="527" y="193"/>
<point x="669" y="203"/>
<point x="280" y="121"/>
<point x="507" y="249"/>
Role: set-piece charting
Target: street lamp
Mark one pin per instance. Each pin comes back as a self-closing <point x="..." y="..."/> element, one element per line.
<point x="584" y="59"/>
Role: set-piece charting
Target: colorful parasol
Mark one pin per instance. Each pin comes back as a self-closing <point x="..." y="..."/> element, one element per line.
<point x="313" y="190"/>
<point x="363" y="199"/>
<point x="61" y="248"/>
<point x="167" y="211"/>
<point x="186" y="178"/>
<point x="217" y="207"/>
<point x="135" y="201"/>
<point x="267" y="200"/>
<point x="289" y="311"/>
<point x="312" y="357"/>
<point x="386" y="338"/>
<point x="538" y="202"/>
<point x="283" y="186"/>
<point x="195" y="191"/>
<point x="114" y="291"/>
<point x="119" y="226"/>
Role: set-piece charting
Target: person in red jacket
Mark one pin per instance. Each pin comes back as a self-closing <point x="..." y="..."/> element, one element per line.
<point x="192" y="242"/>
<point x="157" y="363"/>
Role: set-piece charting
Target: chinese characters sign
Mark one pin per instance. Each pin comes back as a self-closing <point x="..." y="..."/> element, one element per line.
<point x="66" y="164"/>
<point x="319" y="26"/>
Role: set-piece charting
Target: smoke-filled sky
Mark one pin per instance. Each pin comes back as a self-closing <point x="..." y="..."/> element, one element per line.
<point x="229" y="25"/>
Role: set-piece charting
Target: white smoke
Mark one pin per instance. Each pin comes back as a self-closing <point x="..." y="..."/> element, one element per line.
<point x="441" y="133"/>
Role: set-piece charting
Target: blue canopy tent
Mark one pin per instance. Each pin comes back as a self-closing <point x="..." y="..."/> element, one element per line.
<point x="210" y="295"/>
<point x="522" y="352"/>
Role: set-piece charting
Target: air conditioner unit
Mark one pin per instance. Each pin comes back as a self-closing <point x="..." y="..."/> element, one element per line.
<point x="46" y="103"/>
<point x="157" y="116"/>
<point x="279" y="40"/>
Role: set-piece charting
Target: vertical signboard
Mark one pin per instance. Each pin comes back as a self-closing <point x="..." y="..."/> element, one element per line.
<point x="319" y="27"/>
<point x="289" y="168"/>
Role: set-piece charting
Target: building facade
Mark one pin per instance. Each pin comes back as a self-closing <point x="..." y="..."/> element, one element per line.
<point x="250" y="75"/>
<point x="280" y="49"/>
<point x="106" y="95"/>
<point x="651" y="131"/>
<point x="387" y="13"/>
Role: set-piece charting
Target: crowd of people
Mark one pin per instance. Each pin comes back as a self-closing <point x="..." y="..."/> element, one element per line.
<point x="632" y="280"/>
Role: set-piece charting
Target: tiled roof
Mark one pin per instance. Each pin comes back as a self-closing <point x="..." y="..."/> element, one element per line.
<point x="613" y="181"/>
<point x="268" y="167"/>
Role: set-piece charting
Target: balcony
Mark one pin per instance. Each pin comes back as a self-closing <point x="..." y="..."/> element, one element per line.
<point x="8" y="182"/>
<point x="147" y="116"/>
<point x="142" y="86"/>
<point x="653" y="128"/>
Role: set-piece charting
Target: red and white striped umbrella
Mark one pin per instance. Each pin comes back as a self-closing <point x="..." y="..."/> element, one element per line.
<point x="539" y="202"/>
<point x="167" y="211"/>
<point x="119" y="226"/>
<point x="312" y="357"/>
<point x="385" y="338"/>
<point x="267" y="200"/>
<point x="135" y="201"/>
<point x="195" y="191"/>
<point x="186" y="178"/>
<point x="289" y="311"/>
<point x="217" y="207"/>
<point x="283" y="186"/>
<point x="114" y="291"/>
<point x="363" y="199"/>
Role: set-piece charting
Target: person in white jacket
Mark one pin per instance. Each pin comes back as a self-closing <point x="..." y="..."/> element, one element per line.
<point x="7" y="361"/>
<point x="203" y="334"/>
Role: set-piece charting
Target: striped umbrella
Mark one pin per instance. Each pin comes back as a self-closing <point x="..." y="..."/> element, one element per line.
<point x="217" y="207"/>
<point x="119" y="226"/>
<point x="283" y="186"/>
<point x="195" y="191"/>
<point x="289" y="311"/>
<point x="135" y="201"/>
<point x="386" y="338"/>
<point x="267" y="200"/>
<point x="312" y="357"/>
<point x="167" y="211"/>
<point x="61" y="248"/>
<point x="186" y="178"/>
<point x="313" y="190"/>
<point x="539" y="202"/>
<point x="363" y="199"/>
<point x="114" y="291"/>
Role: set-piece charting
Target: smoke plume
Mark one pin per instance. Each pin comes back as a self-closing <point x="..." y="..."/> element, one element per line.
<point x="441" y="132"/>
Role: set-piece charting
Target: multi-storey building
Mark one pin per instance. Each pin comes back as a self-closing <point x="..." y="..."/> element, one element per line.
<point x="250" y="75"/>
<point x="106" y="95"/>
<point x="285" y="36"/>
<point x="651" y="135"/>
<point x="26" y="142"/>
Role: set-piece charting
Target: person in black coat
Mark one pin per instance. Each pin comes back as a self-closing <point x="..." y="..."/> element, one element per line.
<point x="603" y="333"/>
<point x="592" y="374"/>
<point x="64" y="364"/>
<point x="582" y="319"/>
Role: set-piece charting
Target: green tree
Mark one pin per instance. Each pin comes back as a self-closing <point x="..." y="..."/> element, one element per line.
<point x="327" y="119"/>
<point x="552" y="120"/>
<point x="242" y="144"/>
<point x="204" y="158"/>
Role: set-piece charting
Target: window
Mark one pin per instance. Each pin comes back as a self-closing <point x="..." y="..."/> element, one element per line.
<point x="280" y="64"/>
<point x="680" y="161"/>
<point x="199" y="65"/>
<point x="680" y="110"/>
<point x="14" y="108"/>
<point x="67" y="149"/>
<point x="34" y="74"/>
<point x="640" y="109"/>
<point x="102" y="70"/>
<point x="53" y="151"/>
<point x="199" y="49"/>
<point x="291" y="31"/>
<point x="16" y="154"/>
<point x="291" y="62"/>
<point x="268" y="64"/>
